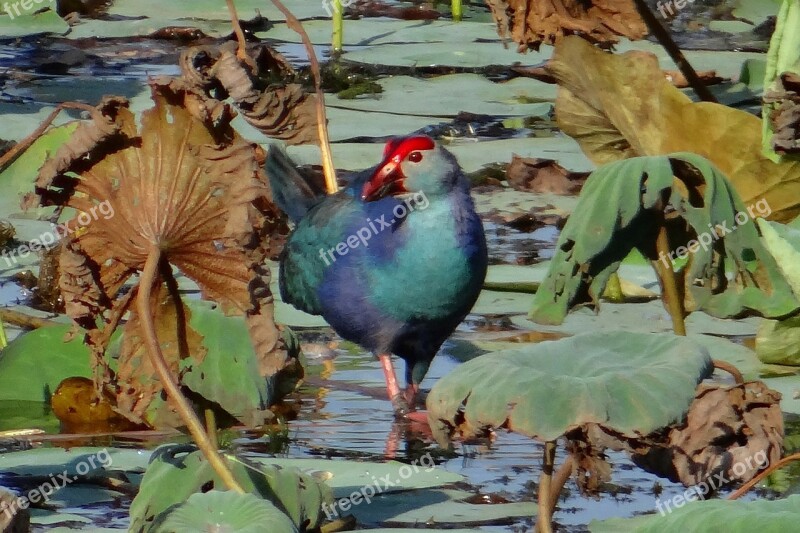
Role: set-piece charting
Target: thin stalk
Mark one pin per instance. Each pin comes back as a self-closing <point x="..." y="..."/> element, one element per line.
<point x="241" y="51"/>
<point x="674" y="52"/>
<point x="669" y="284"/>
<point x="741" y="491"/>
<point x="3" y="338"/>
<point x="545" y="518"/>
<point x="174" y="394"/>
<point x="338" y="26"/>
<point x="560" y="479"/>
<point x="457" y="9"/>
<point x="729" y="368"/>
<point x="331" y="186"/>
<point x="7" y="158"/>
<point x="211" y="428"/>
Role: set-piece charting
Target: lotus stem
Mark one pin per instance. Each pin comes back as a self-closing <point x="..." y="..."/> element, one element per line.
<point x="674" y="52"/>
<point x="146" y="281"/>
<point x="338" y="26"/>
<point x="241" y="50"/>
<point x="545" y="518"/>
<point x="730" y="369"/>
<point x="669" y="285"/>
<point x="560" y="479"/>
<point x="457" y="10"/>
<point x="211" y="427"/>
<point x="741" y="491"/>
<point x="3" y="338"/>
<point x="331" y="186"/>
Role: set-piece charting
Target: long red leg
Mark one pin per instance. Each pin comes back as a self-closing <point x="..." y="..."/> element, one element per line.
<point x="392" y="388"/>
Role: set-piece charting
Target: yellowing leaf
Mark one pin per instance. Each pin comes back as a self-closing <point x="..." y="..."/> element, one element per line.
<point x="620" y="106"/>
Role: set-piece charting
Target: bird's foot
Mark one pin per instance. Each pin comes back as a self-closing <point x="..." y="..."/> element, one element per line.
<point x="400" y="405"/>
<point x="417" y="417"/>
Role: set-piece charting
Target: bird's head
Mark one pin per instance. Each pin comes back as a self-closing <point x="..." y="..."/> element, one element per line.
<point x="411" y="165"/>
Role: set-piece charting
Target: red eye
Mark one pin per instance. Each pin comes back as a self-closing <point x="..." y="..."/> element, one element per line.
<point x="415" y="157"/>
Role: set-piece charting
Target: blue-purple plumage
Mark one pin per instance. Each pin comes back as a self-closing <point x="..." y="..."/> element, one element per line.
<point x="396" y="274"/>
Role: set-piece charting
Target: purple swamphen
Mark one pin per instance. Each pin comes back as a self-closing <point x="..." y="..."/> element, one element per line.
<point x="393" y="262"/>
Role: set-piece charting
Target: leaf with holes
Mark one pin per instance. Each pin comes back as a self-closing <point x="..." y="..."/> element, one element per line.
<point x="620" y="106"/>
<point x="622" y="206"/>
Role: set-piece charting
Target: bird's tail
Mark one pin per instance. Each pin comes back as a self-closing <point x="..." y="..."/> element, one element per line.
<point x="293" y="192"/>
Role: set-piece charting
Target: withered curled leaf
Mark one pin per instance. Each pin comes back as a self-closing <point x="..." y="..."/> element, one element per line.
<point x="280" y="111"/>
<point x="734" y="431"/>
<point x="186" y="183"/>
<point x="531" y="23"/>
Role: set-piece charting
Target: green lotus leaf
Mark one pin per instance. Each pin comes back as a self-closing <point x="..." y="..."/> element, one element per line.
<point x="712" y="516"/>
<point x="178" y="471"/>
<point x="630" y="383"/>
<point x="616" y="213"/>
<point x="225" y="511"/>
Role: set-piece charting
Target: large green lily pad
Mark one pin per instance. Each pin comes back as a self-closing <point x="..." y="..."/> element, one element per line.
<point x="437" y="508"/>
<point x="32" y="365"/>
<point x="346" y="476"/>
<point x="229" y="374"/>
<point x="471" y="155"/>
<point x="177" y="472"/>
<point x="476" y="55"/>
<point x="225" y="511"/>
<point x="30" y="23"/>
<point x="165" y="13"/>
<point x="374" y="31"/>
<point x="448" y="95"/>
<point x="631" y="383"/>
<point x="712" y="516"/>
<point x="18" y="178"/>
<point x="778" y="342"/>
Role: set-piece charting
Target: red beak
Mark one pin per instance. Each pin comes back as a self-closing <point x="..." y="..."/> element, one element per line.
<point x="388" y="179"/>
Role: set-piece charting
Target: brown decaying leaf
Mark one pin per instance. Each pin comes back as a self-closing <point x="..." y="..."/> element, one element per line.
<point x="732" y="430"/>
<point x="620" y="106"/>
<point x="285" y="112"/>
<point x="543" y="176"/>
<point x="785" y="117"/>
<point x="190" y="185"/>
<point x="374" y="8"/>
<point x="137" y="381"/>
<point x="592" y="469"/>
<point x="531" y="23"/>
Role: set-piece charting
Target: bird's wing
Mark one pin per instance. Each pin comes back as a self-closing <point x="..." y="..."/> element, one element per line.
<point x="294" y="193"/>
<point x="303" y="261"/>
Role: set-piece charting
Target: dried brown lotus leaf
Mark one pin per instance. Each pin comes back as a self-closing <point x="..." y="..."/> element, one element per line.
<point x="531" y="23"/>
<point x="186" y="183"/>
